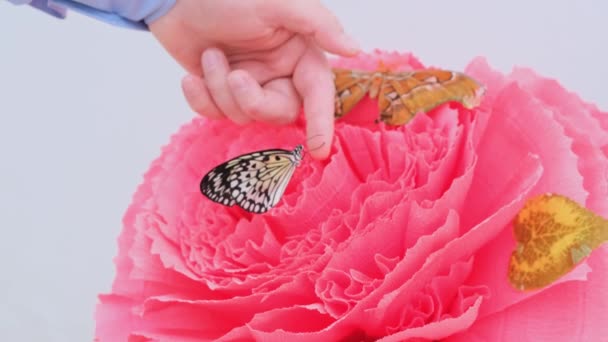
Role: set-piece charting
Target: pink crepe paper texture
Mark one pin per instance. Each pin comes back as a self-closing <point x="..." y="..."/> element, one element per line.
<point x="402" y="234"/>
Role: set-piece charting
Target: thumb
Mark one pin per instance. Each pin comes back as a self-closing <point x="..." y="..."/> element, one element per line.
<point x="313" y="19"/>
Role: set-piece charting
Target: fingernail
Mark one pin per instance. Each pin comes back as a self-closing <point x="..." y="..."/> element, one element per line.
<point x="350" y="43"/>
<point x="242" y="87"/>
<point x="239" y="82"/>
<point x="188" y="82"/>
<point x="211" y="59"/>
<point x="189" y="86"/>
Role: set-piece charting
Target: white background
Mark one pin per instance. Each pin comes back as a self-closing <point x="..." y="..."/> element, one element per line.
<point x="84" y="108"/>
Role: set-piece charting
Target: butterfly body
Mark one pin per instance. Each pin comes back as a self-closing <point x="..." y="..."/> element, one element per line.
<point x="401" y="95"/>
<point x="254" y="181"/>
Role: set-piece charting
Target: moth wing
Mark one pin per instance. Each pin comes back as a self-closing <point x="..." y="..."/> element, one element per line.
<point x="423" y="90"/>
<point x="351" y="87"/>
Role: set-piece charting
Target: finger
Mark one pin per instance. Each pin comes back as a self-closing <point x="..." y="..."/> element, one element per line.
<point x="215" y="71"/>
<point x="198" y="98"/>
<point x="278" y="102"/>
<point x="260" y="71"/>
<point x="313" y="80"/>
<point x="311" y="18"/>
<point x="278" y="62"/>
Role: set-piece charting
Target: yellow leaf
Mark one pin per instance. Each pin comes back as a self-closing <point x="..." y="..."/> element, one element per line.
<point x="553" y="235"/>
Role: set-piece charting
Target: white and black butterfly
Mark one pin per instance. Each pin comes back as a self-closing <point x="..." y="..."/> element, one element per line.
<point x="254" y="181"/>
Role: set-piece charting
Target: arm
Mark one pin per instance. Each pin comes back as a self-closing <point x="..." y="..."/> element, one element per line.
<point x="135" y="14"/>
<point x="262" y="60"/>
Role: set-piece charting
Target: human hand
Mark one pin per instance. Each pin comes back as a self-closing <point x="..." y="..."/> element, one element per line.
<point x="261" y="60"/>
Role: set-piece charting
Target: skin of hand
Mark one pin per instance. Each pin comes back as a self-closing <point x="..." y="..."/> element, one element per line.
<point x="258" y="60"/>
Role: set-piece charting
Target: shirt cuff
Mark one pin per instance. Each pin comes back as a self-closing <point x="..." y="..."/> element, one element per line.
<point x="43" y="5"/>
<point x="134" y="14"/>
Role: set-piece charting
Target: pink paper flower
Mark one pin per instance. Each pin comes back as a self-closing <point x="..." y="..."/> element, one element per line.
<point x="403" y="233"/>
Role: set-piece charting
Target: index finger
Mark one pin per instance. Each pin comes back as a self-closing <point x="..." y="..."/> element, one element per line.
<point x="313" y="79"/>
<point x="313" y="19"/>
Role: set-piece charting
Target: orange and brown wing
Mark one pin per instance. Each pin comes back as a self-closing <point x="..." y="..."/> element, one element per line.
<point x="392" y="109"/>
<point x="351" y="87"/>
<point x="423" y="90"/>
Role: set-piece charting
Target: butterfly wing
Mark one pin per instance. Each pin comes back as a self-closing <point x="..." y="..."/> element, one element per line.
<point x="275" y="179"/>
<point x="351" y="87"/>
<point x="254" y="181"/>
<point x="389" y="97"/>
<point x="406" y="94"/>
<point x="216" y="186"/>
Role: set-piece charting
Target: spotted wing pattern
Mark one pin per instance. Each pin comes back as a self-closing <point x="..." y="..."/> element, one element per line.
<point x="254" y="181"/>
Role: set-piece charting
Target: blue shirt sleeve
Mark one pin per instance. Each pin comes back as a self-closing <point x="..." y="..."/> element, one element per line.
<point x="134" y="14"/>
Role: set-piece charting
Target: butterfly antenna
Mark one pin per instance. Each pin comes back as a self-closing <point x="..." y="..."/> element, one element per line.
<point x="318" y="147"/>
<point x="316" y="136"/>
